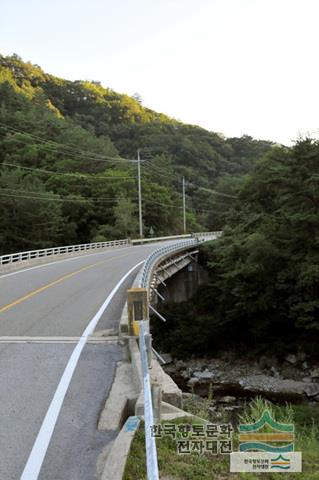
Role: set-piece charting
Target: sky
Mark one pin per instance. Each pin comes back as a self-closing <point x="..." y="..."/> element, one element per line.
<point x="232" y="66"/>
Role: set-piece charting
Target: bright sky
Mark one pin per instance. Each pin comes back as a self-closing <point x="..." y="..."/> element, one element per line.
<point x="232" y="66"/>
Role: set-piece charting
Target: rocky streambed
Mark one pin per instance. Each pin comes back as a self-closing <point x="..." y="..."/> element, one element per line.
<point x="231" y="379"/>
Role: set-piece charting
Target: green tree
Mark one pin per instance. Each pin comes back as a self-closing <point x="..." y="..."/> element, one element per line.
<point x="264" y="270"/>
<point x="31" y="217"/>
<point x="125" y="214"/>
<point x="81" y="128"/>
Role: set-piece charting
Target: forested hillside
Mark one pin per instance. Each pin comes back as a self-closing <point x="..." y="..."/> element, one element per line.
<point x="264" y="270"/>
<point x="68" y="172"/>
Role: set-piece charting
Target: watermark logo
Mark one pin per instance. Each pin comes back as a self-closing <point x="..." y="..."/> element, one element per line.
<point x="279" y="439"/>
<point x="266" y="445"/>
<point x="280" y="463"/>
<point x="206" y="438"/>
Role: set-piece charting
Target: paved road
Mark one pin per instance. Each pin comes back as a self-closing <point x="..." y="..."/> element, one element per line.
<point x="49" y="304"/>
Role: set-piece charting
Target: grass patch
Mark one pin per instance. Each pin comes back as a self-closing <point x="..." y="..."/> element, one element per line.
<point x="173" y="466"/>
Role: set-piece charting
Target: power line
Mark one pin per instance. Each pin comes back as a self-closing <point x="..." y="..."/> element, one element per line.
<point x="190" y="183"/>
<point x="34" y="196"/>
<point x="160" y="172"/>
<point x="209" y="211"/>
<point x="29" y="197"/>
<point x="41" y="195"/>
<point x="153" y="202"/>
<point x="56" y="146"/>
<point x="215" y="192"/>
<point x="98" y="158"/>
<point x="53" y="143"/>
<point x="75" y="175"/>
<point x="178" y="177"/>
<point x="191" y="209"/>
<point x="194" y="199"/>
<point x="59" y="150"/>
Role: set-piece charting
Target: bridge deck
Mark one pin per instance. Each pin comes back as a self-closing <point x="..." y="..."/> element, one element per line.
<point x="50" y="306"/>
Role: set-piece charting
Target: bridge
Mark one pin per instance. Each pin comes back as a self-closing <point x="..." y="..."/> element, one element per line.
<point x="64" y="331"/>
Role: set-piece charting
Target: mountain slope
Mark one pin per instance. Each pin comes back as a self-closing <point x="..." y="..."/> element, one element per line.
<point x="57" y="131"/>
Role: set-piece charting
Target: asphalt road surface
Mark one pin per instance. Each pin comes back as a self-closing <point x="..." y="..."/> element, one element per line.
<point x="43" y="314"/>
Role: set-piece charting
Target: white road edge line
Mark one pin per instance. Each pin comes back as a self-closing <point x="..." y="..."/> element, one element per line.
<point x="78" y="257"/>
<point x="69" y="259"/>
<point x="34" y="463"/>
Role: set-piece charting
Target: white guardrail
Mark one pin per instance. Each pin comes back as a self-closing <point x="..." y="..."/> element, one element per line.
<point x="156" y="256"/>
<point x="47" y="252"/>
<point x="187" y="241"/>
<point x="150" y="444"/>
<point x="145" y="279"/>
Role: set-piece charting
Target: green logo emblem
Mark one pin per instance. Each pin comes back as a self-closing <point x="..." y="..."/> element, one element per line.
<point x="268" y="435"/>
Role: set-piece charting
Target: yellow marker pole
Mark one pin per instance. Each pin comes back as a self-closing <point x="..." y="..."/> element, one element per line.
<point x="137" y="308"/>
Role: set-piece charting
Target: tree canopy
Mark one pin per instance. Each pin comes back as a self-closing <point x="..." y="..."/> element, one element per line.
<point x="70" y="146"/>
<point x="264" y="270"/>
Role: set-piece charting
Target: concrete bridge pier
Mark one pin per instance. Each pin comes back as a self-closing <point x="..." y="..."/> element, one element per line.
<point x="184" y="283"/>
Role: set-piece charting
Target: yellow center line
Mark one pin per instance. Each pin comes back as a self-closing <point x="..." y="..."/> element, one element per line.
<point x="56" y="282"/>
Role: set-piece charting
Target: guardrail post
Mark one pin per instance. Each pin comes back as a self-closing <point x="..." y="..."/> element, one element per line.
<point x="156" y="400"/>
<point x="148" y="342"/>
<point x="151" y="453"/>
<point x="21" y="256"/>
<point x="137" y="308"/>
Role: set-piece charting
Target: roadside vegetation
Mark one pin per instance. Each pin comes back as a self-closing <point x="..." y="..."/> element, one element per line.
<point x="173" y="466"/>
<point x="262" y="294"/>
<point x="68" y="174"/>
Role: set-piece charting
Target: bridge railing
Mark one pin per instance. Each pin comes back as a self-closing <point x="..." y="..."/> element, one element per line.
<point x="168" y="250"/>
<point x="145" y="347"/>
<point x="160" y="239"/>
<point x="156" y="256"/>
<point x="47" y="252"/>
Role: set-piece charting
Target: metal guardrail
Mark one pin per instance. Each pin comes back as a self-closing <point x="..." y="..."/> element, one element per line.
<point x="160" y="239"/>
<point x="150" y="445"/>
<point x="153" y="259"/>
<point x="145" y="280"/>
<point x="174" y="237"/>
<point x="47" y="252"/>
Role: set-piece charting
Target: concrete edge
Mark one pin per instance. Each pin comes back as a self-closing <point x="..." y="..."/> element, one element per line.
<point x="120" y="401"/>
<point x="123" y="326"/>
<point x="116" y="460"/>
<point x="171" y="393"/>
<point x="170" y="405"/>
<point x="118" y="454"/>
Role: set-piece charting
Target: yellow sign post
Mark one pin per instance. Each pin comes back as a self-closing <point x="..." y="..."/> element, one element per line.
<point x="137" y="308"/>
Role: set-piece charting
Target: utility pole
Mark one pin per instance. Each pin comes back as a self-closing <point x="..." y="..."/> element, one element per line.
<point x="184" y="206"/>
<point x="139" y="193"/>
